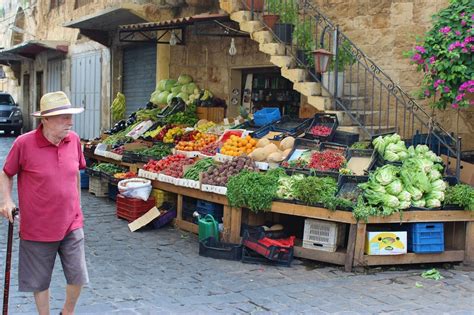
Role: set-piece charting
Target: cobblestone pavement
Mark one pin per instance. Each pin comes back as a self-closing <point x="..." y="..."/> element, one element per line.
<point x="160" y="272"/>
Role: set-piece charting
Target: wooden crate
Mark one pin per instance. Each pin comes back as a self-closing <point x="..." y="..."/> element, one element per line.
<point x="215" y="114"/>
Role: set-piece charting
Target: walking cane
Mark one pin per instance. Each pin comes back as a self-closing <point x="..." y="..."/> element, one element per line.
<point x="6" y="287"/>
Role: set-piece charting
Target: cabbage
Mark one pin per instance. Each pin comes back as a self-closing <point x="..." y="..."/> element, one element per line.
<point x="162" y="97"/>
<point x="419" y="203"/>
<point x="183" y="96"/>
<point x="176" y="88"/>
<point x="438" y="185"/>
<point x="166" y="85"/>
<point x="185" y="79"/>
<point x="411" y="151"/>
<point x="421" y="149"/>
<point x="404" y="204"/>
<point x="386" y="174"/>
<point x="430" y="155"/>
<point x="434" y="175"/>
<point x="154" y="97"/>
<point x="403" y="155"/>
<point x="415" y="193"/>
<point x="433" y="203"/>
<point x="379" y="144"/>
<point x="426" y="165"/>
<point x="395" y="187"/>
<point x="404" y="196"/>
<point x="390" y="201"/>
<point x="412" y="173"/>
<point x="188" y="88"/>
<point x="391" y="156"/>
<point x="435" y="194"/>
<point x="396" y="147"/>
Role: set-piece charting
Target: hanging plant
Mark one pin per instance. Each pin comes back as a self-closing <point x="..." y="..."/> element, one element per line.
<point x="445" y="56"/>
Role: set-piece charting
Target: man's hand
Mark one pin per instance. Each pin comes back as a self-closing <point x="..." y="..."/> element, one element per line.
<point x="7" y="210"/>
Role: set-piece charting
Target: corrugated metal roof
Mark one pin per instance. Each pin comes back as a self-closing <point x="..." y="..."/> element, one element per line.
<point x="189" y="20"/>
<point x="31" y="48"/>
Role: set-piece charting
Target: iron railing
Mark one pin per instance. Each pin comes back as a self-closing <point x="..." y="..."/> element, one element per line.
<point x="366" y="94"/>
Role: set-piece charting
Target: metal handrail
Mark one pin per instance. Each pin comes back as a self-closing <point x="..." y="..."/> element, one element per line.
<point x="381" y="93"/>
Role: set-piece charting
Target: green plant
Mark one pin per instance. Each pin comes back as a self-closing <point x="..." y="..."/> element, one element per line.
<point x="344" y="57"/>
<point x="303" y="35"/>
<point x="273" y="6"/>
<point x="445" y="57"/>
<point x="288" y="11"/>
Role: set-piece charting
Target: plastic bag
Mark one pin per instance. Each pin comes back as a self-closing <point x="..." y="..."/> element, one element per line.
<point x="138" y="188"/>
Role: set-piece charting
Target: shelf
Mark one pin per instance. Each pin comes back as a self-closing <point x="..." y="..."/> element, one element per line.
<point x="425" y="216"/>
<point x="190" y="192"/>
<point x="338" y="257"/>
<point x="313" y="212"/>
<point x="411" y="258"/>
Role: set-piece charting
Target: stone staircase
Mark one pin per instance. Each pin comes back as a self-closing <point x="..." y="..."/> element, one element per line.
<point x="316" y="95"/>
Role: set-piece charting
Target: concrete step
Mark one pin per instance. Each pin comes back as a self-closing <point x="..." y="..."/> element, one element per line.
<point x="319" y="102"/>
<point x="230" y="6"/>
<point x="353" y="103"/>
<point x="251" y="26"/>
<point x="273" y="49"/>
<point x="363" y="116"/>
<point x="363" y="135"/>
<point x="294" y="75"/>
<point x="240" y="16"/>
<point x="262" y="37"/>
<point x="282" y="61"/>
<point x="308" y="88"/>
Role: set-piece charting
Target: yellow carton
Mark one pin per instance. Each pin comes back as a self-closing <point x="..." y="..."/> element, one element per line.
<point x="386" y="243"/>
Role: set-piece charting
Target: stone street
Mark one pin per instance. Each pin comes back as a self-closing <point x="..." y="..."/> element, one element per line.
<point x="160" y="272"/>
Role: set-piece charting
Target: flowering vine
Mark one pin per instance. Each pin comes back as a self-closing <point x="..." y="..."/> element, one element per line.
<point x="446" y="57"/>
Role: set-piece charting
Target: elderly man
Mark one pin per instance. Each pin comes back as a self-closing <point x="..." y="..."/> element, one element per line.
<point x="47" y="162"/>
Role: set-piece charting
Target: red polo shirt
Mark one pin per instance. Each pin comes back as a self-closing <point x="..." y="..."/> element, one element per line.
<point x="47" y="185"/>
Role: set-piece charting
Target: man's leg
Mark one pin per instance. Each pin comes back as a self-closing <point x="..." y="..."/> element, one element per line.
<point x="42" y="302"/>
<point x="71" y="252"/>
<point x="72" y="295"/>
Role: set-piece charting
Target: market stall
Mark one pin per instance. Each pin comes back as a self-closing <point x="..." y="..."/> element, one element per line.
<point x="352" y="204"/>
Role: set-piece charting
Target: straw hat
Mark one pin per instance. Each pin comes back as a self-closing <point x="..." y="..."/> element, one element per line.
<point x="56" y="103"/>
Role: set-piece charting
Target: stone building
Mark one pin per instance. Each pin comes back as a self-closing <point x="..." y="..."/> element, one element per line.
<point x="76" y="46"/>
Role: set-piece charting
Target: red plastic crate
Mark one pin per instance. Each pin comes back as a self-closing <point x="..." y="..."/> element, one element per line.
<point x="131" y="209"/>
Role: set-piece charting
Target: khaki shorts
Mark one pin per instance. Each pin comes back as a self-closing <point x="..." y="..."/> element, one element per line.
<point x="36" y="262"/>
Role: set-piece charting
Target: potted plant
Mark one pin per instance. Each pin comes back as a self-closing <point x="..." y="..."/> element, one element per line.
<point x="288" y="17"/>
<point x="257" y="5"/>
<point x="271" y="16"/>
<point x="345" y="58"/>
<point x="303" y="38"/>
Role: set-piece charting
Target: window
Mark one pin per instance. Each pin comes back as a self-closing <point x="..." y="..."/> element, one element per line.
<point x="2" y="73"/>
<point x="81" y="3"/>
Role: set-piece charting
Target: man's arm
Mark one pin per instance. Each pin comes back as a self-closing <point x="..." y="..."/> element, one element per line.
<point x="79" y="185"/>
<point x="6" y="202"/>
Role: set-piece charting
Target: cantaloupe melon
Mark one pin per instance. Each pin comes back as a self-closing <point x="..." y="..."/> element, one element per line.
<point x="263" y="142"/>
<point x="275" y="157"/>
<point x="286" y="152"/>
<point x="270" y="148"/>
<point x="258" y="155"/>
<point x="287" y="143"/>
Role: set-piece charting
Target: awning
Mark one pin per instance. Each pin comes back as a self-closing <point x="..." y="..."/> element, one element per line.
<point x="100" y="25"/>
<point x="156" y="31"/>
<point x="31" y="48"/>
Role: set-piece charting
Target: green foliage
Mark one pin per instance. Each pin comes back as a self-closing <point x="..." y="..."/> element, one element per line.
<point x="288" y="12"/>
<point x="445" y="57"/>
<point x="462" y="195"/>
<point x="345" y="57"/>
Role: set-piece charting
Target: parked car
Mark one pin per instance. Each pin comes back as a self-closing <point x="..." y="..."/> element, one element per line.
<point x="11" y="117"/>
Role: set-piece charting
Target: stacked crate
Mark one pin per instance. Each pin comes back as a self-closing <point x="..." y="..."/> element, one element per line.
<point x="323" y="235"/>
<point x="98" y="186"/>
<point x="426" y="238"/>
<point x="131" y="209"/>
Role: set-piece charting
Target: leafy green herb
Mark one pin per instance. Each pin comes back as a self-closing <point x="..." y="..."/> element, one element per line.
<point x="432" y="274"/>
<point x="313" y="190"/>
<point x="253" y="190"/>
<point x="460" y="194"/>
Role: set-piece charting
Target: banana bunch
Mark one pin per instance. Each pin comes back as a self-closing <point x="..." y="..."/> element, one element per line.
<point x="206" y="95"/>
<point x="148" y="114"/>
<point x="118" y="107"/>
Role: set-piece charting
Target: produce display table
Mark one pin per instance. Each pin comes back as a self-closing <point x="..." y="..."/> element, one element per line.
<point x="459" y="230"/>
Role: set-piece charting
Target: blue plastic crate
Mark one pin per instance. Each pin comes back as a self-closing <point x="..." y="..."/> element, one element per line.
<point x="164" y="219"/>
<point x="84" y="179"/>
<point x="266" y="115"/>
<point x="426" y="237"/>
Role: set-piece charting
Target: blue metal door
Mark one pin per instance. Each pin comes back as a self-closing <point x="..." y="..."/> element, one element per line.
<point x="85" y="92"/>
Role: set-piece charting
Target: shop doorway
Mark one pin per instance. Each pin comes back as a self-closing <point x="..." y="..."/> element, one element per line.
<point x="27" y="108"/>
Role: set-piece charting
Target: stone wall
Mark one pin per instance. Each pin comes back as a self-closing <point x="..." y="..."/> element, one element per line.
<point x="384" y="29"/>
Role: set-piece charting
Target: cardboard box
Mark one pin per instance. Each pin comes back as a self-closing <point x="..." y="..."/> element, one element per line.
<point x="386" y="243"/>
<point x="467" y="170"/>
